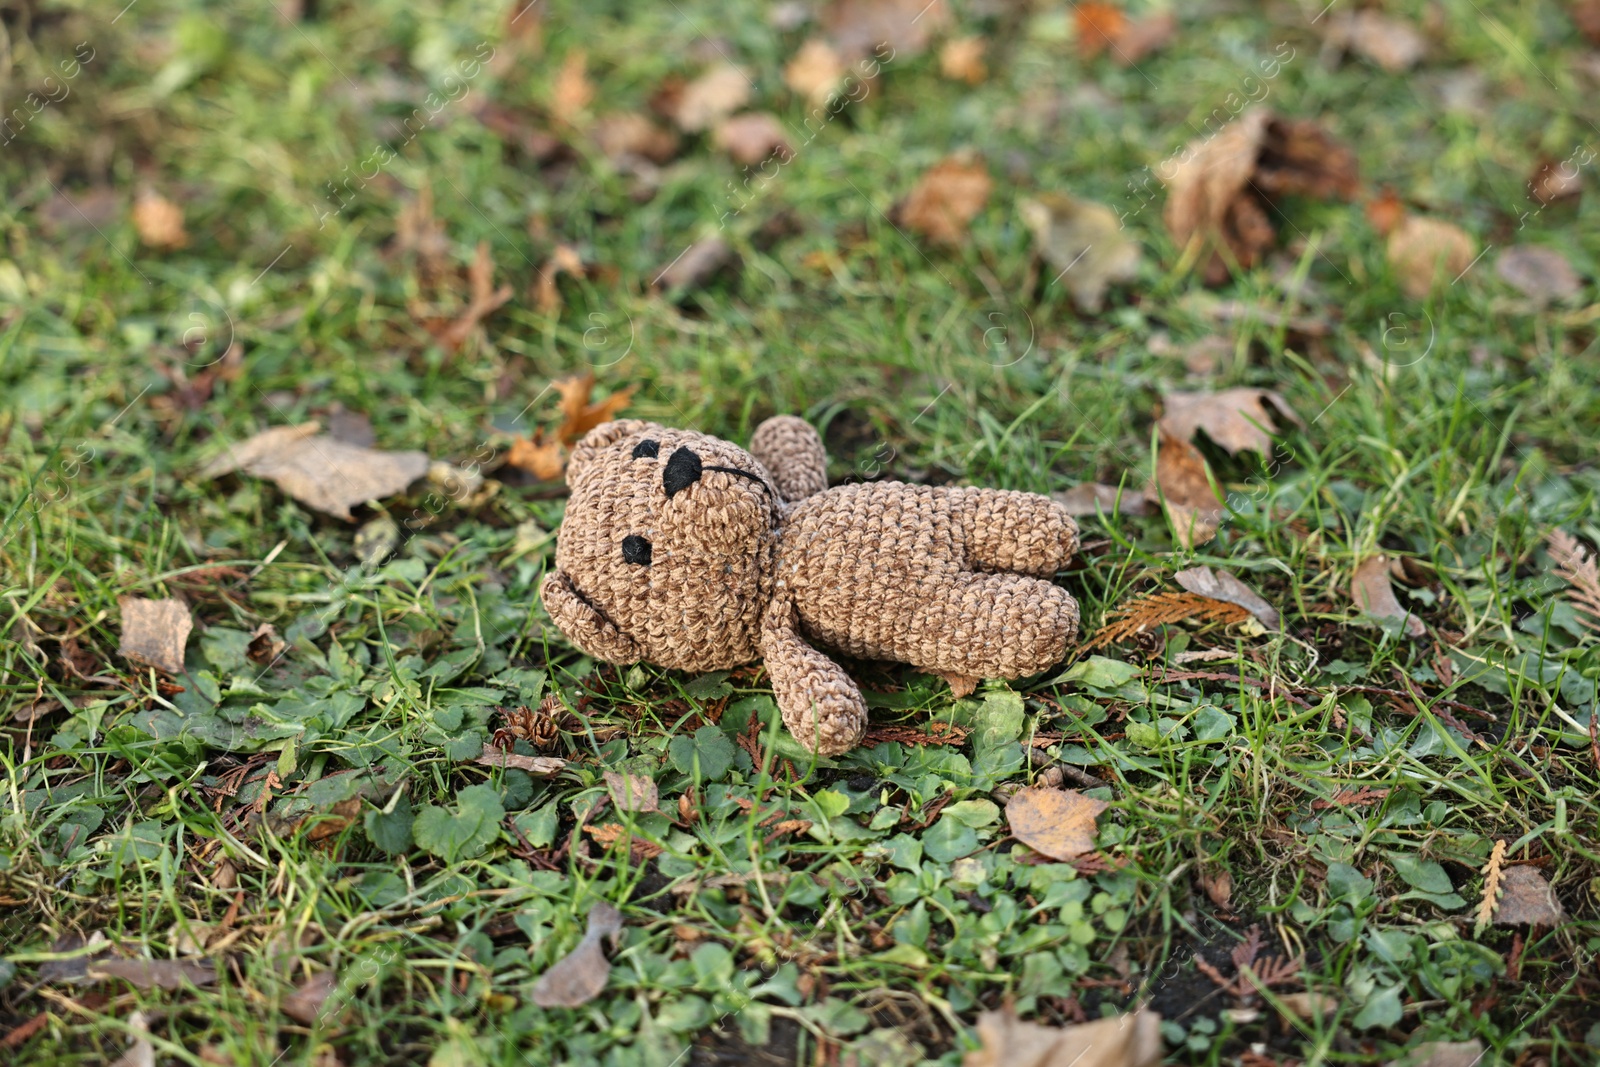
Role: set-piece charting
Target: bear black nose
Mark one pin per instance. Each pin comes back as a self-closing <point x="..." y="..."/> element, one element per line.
<point x="683" y="470"/>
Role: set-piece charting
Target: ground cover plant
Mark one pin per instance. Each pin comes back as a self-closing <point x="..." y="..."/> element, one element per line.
<point x="1293" y="304"/>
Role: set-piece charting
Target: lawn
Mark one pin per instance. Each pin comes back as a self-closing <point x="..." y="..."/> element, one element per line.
<point x="378" y="796"/>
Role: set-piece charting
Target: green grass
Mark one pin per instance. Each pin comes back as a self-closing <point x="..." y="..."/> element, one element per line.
<point x="878" y="934"/>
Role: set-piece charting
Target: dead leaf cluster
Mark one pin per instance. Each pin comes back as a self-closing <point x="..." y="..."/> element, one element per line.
<point x="1221" y="188"/>
<point x="947" y="198"/>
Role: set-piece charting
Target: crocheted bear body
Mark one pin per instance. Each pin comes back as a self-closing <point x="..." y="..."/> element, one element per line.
<point x="687" y="551"/>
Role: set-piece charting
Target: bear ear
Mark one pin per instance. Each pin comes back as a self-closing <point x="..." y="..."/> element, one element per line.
<point x="581" y="621"/>
<point x="607" y="433"/>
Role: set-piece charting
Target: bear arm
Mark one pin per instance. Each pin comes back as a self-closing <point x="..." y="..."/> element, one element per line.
<point x="791" y="450"/>
<point x="1008" y="531"/>
<point x="820" y="705"/>
<point x="583" y="623"/>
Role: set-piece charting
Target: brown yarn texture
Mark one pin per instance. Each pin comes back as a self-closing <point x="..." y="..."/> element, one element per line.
<point x="689" y="552"/>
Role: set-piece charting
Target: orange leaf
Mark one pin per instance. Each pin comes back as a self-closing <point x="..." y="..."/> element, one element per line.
<point x="578" y="416"/>
<point x="543" y="459"/>
<point x="1099" y="24"/>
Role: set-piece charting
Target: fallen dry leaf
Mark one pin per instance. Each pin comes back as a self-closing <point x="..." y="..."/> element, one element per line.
<point x="538" y="766"/>
<point x="154" y="632"/>
<point x="751" y="137"/>
<point x="19" y="1034"/>
<point x="961" y="59"/>
<point x="1235" y="419"/>
<point x="947" y="198"/>
<point x="154" y="974"/>
<point x="1058" y="823"/>
<point x="632" y="792"/>
<point x="572" y="91"/>
<point x="1525" y="897"/>
<point x="1443" y="1054"/>
<point x="1392" y="43"/>
<point x="625" y="135"/>
<point x="319" y="471"/>
<point x="1308" y="1006"/>
<point x="1220" y="186"/>
<point x="1372" y="593"/>
<point x="1385" y="211"/>
<point x="141" y="1053"/>
<point x="522" y="129"/>
<point x="695" y="266"/>
<point x="1099" y="25"/>
<point x="1118" y="1041"/>
<point x="1193" y="506"/>
<point x="158" y="221"/>
<point x="1221" y="585"/>
<point x="1425" y="253"/>
<point x="1553" y="183"/>
<point x="902" y="28"/>
<point x="306" y="1003"/>
<point x="1218" y="886"/>
<point x="485" y="300"/>
<point x="579" y="976"/>
<point x="815" y="71"/>
<point x="961" y="685"/>
<point x="265" y="645"/>
<point x="712" y="97"/>
<point x="546" y="457"/>
<point x="1540" y="273"/>
<point x="1144" y="36"/>
<point x="1085" y="242"/>
<point x="1577" y="567"/>
<point x="1092" y="498"/>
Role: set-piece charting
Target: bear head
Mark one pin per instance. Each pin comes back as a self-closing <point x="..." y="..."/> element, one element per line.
<point x="666" y="552"/>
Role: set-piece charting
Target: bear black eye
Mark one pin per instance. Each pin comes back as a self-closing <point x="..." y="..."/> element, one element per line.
<point x="647" y="450"/>
<point x="636" y="549"/>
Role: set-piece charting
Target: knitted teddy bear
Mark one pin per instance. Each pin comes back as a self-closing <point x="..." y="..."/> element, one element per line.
<point x="687" y="551"/>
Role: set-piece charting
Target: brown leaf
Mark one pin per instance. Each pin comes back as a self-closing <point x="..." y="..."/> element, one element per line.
<point x="141" y="1053"/>
<point x="1372" y="593"/>
<point x="695" y="265"/>
<point x="961" y="59"/>
<point x="1526" y="898"/>
<point x="155" y="632"/>
<point x="1220" y="185"/>
<point x="1092" y="498"/>
<point x="18" y="1035"/>
<point x="154" y="974"/>
<point x="305" y="1004"/>
<point x="1118" y="1041"/>
<point x="1385" y="211"/>
<point x="579" y="976"/>
<point x="543" y="458"/>
<point x="1443" y="1054"/>
<point x="712" y="97"/>
<point x="1308" y="1005"/>
<point x="947" y="198"/>
<point x="1056" y="822"/>
<point x="1426" y="253"/>
<point x="1236" y="419"/>
<point x="1084" y="242"/>
<point x="626" y="134"/>
<point x="815" y="71"/>
<point x="1144" y="36"/>
<point x="1218" y="885"/>
<point x="564" y="259"/>
<point x="485" y="300"/>
<point x="572" y="91"/>
<point x="1586" y="16"/>
<point x="1099" y="25"/>
<point x="1540" y="273"/>
<point x="265" y="645"/>
<point x="751" y="137"/>
<point x="961" y="685"/>
<point x="1392" y="43"/>
<point x="538" y="766"/>
<point x="1553" y="183"/>
<point x="320" y="472"/>
<point x="902" y="28"/>
<point x="633" y="792"/>
<point x="578" y="415"/>
<point x="1221" y="585"/>
<point x="522" y="129"/>
<point x="158" y="221"/>
<point x="1193" y="507"/>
